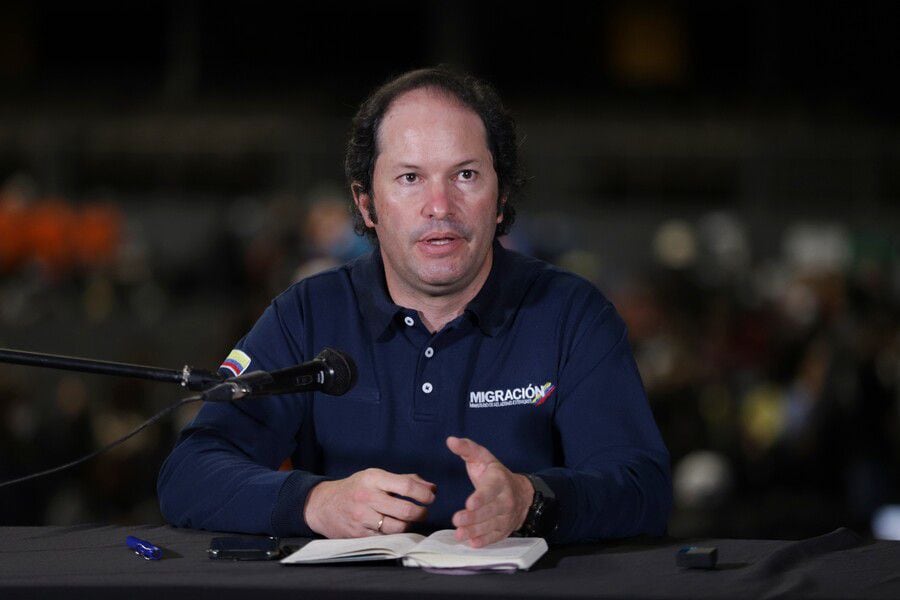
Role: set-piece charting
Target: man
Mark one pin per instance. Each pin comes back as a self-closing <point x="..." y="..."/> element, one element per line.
<point x="497" y="394"/>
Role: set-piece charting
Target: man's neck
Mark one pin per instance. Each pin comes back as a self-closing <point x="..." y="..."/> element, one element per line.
<point x="439" y="309"/>
<point x="435" y="315"/>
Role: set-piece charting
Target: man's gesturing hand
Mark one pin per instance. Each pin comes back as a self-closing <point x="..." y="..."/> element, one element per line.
<point x="501" y="499"/>
<point x="355" y="506"/>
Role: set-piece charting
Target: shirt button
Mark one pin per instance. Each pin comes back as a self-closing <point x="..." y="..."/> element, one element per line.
<point x="409" y="321"/>
<point x="429" y="352"/>
<point x="426" y="387"/>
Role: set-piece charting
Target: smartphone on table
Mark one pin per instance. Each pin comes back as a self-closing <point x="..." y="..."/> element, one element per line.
<point x="246" y="548"/>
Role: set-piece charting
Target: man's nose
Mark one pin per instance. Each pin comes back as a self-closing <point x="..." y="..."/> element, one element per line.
<point x="439" y="203"/>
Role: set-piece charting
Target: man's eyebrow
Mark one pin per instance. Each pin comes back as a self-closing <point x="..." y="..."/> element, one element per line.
<point x="459" y="165"/>
<point x="467" y="163"/>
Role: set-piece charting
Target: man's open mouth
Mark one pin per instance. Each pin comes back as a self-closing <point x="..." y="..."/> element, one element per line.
<point x="440" y="239"/>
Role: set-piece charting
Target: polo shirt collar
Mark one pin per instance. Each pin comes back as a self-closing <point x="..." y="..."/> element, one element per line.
<point x="370" y="286"/>
<point x="496" y="303"/>
<point x="492" y="308"/>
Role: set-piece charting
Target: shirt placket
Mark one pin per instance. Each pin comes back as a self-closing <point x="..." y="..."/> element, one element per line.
<point x="428" y="386"/>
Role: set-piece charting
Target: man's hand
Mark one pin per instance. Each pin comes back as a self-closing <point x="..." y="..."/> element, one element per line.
<point x="501" y="499"/>
<point x="355" y="506"/>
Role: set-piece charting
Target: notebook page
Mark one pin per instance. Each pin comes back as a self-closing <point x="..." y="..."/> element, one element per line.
<point x="388" y="546"/>
<point x="442" y="549"/>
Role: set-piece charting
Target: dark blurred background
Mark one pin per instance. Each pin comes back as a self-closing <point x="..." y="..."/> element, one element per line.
<point x="727" y="172"/>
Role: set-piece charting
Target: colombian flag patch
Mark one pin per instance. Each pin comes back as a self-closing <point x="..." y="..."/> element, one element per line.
<point x="236" y="363"/>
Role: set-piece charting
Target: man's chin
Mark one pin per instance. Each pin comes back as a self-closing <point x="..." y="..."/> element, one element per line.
<point x="443" y="281"/>
<point x="442" y="285"/>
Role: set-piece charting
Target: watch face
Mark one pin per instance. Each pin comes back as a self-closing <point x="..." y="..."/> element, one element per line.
<point x="541" y="486"/>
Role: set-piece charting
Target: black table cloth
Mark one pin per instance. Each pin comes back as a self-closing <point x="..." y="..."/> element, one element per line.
<point x="93" y="562"/>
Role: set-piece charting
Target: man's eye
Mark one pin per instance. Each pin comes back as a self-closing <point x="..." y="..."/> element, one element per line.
<point x="467" y="174"/>
<point x="409" y="177"/>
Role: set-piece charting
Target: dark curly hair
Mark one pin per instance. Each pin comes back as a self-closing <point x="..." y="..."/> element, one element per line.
<point x="479" y="96"/>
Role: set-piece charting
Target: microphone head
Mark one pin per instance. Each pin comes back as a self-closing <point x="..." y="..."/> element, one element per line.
<point x="340" y="372"/>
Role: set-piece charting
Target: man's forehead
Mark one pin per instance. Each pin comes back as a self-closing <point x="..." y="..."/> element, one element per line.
<point x="424" y="115"/>
<point x="427" y="95"/>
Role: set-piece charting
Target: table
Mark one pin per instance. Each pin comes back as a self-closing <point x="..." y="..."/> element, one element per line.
<point x="92" y="561"/>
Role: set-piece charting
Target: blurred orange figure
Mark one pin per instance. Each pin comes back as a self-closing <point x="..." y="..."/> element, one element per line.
<point x="96" y="235"/>
<point x="13" y="235"/>
<point x="49" y="225"/>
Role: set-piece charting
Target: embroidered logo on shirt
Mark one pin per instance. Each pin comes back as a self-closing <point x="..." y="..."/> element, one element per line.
<point x="236" y="363"/>
<point x="529" y="394"/>
<point x="546" y="391"/>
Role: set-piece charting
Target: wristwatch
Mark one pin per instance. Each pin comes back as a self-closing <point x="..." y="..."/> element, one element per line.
<point x="543" y="515"/>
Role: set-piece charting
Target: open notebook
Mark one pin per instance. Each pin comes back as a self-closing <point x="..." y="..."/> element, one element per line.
<point x="440" y="550"/>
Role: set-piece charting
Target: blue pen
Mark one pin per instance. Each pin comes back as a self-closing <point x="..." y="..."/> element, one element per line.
<point x="143" y="548"/>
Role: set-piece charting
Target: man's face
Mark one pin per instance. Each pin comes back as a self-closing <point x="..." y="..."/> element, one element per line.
<point x="435" y="194"/>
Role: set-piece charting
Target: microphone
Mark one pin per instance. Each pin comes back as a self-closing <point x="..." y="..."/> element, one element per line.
<point x="331" y="371"/>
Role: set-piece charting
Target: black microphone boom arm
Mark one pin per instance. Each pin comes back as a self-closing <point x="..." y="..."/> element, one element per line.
<point x="188" y="377"/>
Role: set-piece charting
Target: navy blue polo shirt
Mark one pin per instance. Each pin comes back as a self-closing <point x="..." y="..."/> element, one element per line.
<point x="537" y="369"/>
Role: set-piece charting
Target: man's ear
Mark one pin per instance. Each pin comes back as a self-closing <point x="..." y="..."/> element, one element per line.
<point x="501" y="202"/>
<point x="363" y="201"/>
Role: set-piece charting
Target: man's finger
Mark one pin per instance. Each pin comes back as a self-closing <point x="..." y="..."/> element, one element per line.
<point x="486" y="493"/>
<point x="482" y="537"/>
<point x="391" y="525"/>
<point x="402" y="510"/>
<point x="468" y="450"/>
<point x="367" y="522"/>
<point x="478" y="530"/>
<point x="467" y="518"/>
<point x="484" y="540"/>
<point x="415" y="476"/>
<point x="405" y="485"/>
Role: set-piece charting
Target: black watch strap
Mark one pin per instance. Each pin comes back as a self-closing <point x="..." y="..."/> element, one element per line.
<point x="543" y="514"/>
